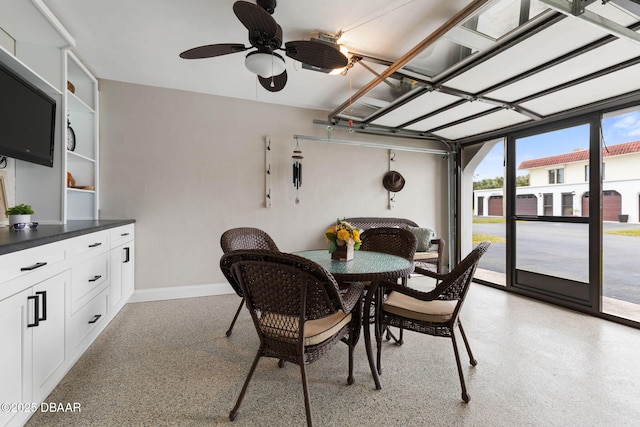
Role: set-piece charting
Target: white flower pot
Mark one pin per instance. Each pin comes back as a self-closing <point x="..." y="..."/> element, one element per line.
<point x="16" y="219"/>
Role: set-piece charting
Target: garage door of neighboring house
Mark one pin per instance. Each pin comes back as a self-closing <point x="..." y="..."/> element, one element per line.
<point x="567" y="204"/>
<point x="526" y="204"/>
<point x="495" y="206"/>
<point x="611" y="205"/>
<point x="585" y="204"/>
<point x="547" y="204"/>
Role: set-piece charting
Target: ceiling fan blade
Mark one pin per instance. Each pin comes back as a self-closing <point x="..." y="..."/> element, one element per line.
<point x="316" y="53"/>
<point x="255" y="18"/>
<point x="211" y="50"/>
<point x="275" y="83"/>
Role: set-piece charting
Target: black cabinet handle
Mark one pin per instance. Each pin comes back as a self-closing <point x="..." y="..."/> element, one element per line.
<point x="95" y="318"/>
<point x="126" y="255"/>
<point x="95" y="278"/>
<point x="93" y="245"/>
<point x="36" y="309"/>
<point x="43" y="294"/>
<point x="34" y="266"/>
<point x="124" y="234"/>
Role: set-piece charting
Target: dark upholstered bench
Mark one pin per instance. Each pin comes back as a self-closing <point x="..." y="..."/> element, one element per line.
<point x="432" y="259"/>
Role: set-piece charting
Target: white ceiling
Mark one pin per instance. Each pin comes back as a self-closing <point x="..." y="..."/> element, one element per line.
<point x="138" y="41"/>
<point x="517" y="62"/>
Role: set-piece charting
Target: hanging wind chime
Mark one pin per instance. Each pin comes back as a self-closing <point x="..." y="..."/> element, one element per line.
<point x="297" y="169"/>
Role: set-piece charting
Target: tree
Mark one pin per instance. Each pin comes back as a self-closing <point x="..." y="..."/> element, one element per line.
<point x="498" y="182"/>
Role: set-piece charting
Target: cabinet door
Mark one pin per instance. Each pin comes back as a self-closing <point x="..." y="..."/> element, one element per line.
<point x="116" y="276"/>
<point x="128" y="270"/>
<point x="122" y="274"/>
<point x="48" y="336"/>
<point x="15" y="337"/>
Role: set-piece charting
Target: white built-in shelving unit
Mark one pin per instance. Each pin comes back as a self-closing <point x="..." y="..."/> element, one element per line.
<point x="82" y="163"/>
<point x="41" y="53"/>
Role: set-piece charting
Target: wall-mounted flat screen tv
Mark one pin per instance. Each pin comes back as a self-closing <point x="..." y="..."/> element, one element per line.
<point x="27" y="120"/>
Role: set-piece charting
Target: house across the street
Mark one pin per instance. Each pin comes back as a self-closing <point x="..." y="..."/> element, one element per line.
<point x="559" y="186"/>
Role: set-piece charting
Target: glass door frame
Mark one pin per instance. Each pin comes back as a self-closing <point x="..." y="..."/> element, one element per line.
<point x="570" y="296"/>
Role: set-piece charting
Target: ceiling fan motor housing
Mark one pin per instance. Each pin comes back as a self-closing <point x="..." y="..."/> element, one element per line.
<point x="268" y="5"/>
<point x="260" y="39"/>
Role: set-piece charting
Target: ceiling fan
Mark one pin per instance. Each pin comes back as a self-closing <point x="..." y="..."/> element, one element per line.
<point x="265" y="36"/>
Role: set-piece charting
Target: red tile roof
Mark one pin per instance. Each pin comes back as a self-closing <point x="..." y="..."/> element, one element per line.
<point x="581" y="155"/>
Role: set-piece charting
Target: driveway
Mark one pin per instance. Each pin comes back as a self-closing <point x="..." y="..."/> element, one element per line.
<point x="561" y="249"/>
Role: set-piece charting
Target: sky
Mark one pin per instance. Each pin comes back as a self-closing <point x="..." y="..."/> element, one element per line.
<point x="617" y="129"/>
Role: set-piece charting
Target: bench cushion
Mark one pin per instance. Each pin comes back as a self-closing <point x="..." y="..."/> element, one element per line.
<point x="424" y="236"/>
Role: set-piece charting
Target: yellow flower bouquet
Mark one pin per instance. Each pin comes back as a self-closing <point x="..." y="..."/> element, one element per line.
<point x="343" y="234"/>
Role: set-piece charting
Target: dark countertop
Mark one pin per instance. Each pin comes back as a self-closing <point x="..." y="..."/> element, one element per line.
<point x="13" y="241"/>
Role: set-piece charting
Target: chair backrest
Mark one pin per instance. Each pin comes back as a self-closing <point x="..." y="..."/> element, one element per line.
<point x="456" y="283"/>
<point x="246" y="238"/>
<point x="282" y="291"/>
<point x="390" y="240"/>
<point x="365" y="223"/>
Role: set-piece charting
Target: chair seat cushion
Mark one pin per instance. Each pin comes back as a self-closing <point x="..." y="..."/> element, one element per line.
<point x="315" y="331"/>
<point x="436" y="311"/>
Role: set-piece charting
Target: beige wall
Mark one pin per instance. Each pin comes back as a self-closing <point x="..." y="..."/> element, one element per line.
<point x="189" y="166"/>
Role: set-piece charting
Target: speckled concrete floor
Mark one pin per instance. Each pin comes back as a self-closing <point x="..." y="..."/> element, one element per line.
<point x="169" y="363"/>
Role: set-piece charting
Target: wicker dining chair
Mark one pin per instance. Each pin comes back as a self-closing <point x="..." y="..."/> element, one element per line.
<point x="392" y="241"/>
<point x="297" y="309"/>
<point x="244" y="238"/>
<point x="435" y="312"/>
<point x="433" y="258"/>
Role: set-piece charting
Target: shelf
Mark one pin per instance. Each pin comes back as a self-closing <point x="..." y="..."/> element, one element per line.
<point x="81" y="204"/>
<point x="77" y="105"/>
<point x="83" y="81"/>
<point x="24" y="71"/>
<point x="81" y="190"/>
<point x="72" y="156"/>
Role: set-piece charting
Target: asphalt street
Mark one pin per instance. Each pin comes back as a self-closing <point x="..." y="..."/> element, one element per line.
<point x="561" y="249"/>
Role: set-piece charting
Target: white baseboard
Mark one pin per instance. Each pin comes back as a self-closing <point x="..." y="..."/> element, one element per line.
<point x="178" y="292"/>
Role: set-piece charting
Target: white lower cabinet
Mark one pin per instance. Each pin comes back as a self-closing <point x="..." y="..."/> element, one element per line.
<point x="16" y="342"/>
<point x="92" y="317"/>
<point x="48" y="335"/>
<point x="122" y="274"/>
<point x="32" y="362"/>
<point x="55" y="299"/>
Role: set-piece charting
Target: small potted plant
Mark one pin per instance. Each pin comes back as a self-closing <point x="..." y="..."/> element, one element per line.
<point x="19" y="214"/>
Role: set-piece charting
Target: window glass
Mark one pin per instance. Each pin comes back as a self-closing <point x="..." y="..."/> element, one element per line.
<point x="504" y="16"/>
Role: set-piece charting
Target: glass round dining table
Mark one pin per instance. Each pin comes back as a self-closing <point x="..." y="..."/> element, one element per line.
<point x="366" y="266"/>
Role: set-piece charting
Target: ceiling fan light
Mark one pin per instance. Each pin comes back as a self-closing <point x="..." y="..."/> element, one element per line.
<point x="265" y="64"/>
<point x="345" y="52"/>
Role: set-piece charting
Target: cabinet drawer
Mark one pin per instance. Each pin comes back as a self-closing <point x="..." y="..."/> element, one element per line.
<point x="40" y="260"/>
<point x="87" y="279"/>
<point x="87" y="319"/>
<point x="84" y="247"/>
<point x="122" y="235"/>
